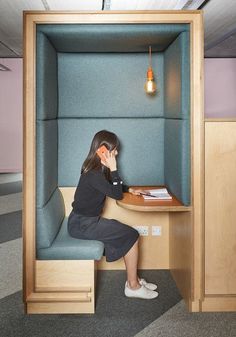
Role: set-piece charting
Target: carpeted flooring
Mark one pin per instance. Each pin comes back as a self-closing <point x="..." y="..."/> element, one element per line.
<point x="10" y="226"/>
<point x="116" y="315"/>
<point x="178" y="322"/>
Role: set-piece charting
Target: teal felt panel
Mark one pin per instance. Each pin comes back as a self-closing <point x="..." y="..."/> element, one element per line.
<point x="46" y="160"/>
<point x="64" y="247"/>
<point x="76" y="38"/>
<point x="177" y="78"/>
<point x="177" y="158"/>
<point x="49" y="219"/>
<point x="185" y="74"/>
<point x="141" y="158"/>
<point x="108" y="85"/>
<point x="46" y="79"/>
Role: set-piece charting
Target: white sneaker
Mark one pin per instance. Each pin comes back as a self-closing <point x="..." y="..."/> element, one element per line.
<point x="141" y="292"/>
<point x="150" y="286"/>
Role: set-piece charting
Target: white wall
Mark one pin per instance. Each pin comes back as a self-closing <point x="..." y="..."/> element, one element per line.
<point x="220" y="87"/>
<point x="11" y="115"/>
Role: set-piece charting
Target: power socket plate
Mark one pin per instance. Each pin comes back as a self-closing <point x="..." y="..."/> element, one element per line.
<point x="143" y="230"/>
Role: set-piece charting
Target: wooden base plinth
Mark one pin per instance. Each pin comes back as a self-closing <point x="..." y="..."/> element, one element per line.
<point x="219" y="303"/>
<point x="59" y="308"/>
<point x="63" y="286"/>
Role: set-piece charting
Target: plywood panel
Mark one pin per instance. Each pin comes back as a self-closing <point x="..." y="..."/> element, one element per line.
<point x="65" y="275"/>
<point x="220" y="210"/>
<point x="59" y="308"/>
<point x="181" y="252"/>
<point x="219" y="303"/>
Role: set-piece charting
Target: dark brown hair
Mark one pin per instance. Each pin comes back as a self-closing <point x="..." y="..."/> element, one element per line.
<point x="93" y="162"/>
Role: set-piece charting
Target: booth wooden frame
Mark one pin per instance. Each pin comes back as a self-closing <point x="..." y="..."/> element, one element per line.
<point x="187" y="252"/>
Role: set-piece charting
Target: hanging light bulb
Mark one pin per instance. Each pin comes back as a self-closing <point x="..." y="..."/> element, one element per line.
<point x="150" y="86"/>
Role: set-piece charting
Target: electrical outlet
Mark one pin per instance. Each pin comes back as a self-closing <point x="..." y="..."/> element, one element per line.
<point x="156" y="230"/>
<point x="143" y="230"/>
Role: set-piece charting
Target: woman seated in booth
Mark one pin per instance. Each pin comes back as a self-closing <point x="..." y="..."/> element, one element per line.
<point x="99" y="178"/>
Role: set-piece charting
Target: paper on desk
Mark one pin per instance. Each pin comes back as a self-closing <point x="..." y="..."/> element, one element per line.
<point x="160" y="193"/>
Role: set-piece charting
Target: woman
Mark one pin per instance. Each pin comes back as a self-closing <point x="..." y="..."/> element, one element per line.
<point x="99" y="178"/>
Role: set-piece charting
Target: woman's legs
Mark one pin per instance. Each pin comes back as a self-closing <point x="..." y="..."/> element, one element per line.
<point x="131" y="263"/>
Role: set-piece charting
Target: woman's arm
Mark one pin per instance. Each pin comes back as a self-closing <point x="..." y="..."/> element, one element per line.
<point x="99" y="182"/>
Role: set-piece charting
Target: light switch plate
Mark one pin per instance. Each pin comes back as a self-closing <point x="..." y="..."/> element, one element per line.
<point x="156" y="230"/>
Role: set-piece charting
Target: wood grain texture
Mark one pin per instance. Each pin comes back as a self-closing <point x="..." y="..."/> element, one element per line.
<point x="64" y="274"/>
<point x="29" y="161"/>
<point x="197" y="153"/>
<point x="59" y="282"/>
<point x="220" y="210"/>
<point x="181" y="254"/>
<point x="217" y="303"/>
<point x="138" y="203"/>
<point x="59" y="308"/>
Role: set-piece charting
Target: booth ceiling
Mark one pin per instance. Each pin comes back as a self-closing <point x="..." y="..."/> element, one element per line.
<point x="219" y="17"/>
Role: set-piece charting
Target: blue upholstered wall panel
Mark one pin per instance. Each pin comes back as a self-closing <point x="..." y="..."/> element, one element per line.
<point x="46" y="88"/>
<point x="108" y="85"/>
<point x="141" y="158"/>
<point x="177" y="158"/>
<point x="46" y="160"/>
<point x="77" y="38"/>
<point x="177" y="118"/>
<point x="177" y="78"/>
<point x="49" y="219"/>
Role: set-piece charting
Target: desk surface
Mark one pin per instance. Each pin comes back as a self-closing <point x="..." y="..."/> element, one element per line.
<point x="138" y="203"/>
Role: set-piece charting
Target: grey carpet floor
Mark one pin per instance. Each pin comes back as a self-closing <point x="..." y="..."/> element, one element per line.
<point x="116" y="315"/>
<point x="10" y="187"/>
<point x="178" y="322"/>
<point x="10" y="226"/>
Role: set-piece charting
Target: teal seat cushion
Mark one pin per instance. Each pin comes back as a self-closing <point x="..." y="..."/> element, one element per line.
<point x="64" y="247"/>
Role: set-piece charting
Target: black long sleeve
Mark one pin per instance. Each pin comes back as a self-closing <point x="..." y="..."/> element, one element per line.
<point x="92" y="189"/>
<point x="113" y="190"/>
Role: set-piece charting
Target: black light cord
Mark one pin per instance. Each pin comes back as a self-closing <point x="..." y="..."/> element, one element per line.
<point x="203" y="4"/>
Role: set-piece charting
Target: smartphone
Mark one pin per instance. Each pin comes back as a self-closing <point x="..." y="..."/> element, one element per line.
<point x="101" y="152"/>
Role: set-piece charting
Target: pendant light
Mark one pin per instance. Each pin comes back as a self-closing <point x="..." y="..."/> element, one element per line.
<point x="150" y="86"/>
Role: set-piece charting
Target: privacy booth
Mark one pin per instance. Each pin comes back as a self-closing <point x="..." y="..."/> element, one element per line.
<point x="84" y="72"/>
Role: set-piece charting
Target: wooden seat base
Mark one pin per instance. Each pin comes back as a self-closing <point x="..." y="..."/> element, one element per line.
<point x="63" y="286"/>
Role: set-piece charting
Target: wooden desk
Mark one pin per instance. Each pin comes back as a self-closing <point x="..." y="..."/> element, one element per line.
<point x="138" y="203"/>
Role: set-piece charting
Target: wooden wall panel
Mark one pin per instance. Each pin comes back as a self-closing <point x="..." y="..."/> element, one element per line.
<point x="220" y="208"/>
<point x="181" y="252"/>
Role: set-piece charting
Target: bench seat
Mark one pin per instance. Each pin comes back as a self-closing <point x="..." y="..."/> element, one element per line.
<point x="64" y="247"/>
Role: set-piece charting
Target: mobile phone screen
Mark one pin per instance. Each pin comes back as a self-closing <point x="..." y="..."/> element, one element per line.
<point x="101" y="152"/>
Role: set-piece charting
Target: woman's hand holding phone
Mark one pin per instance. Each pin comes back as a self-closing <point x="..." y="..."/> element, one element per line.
<point x="109" y="160"/>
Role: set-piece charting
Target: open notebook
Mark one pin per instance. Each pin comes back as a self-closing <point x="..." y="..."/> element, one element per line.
<point x="160" y="193"/>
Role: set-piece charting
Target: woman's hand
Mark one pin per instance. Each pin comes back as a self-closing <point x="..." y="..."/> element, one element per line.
<point x="110" y="160"/>
<point x="135" y="191"/>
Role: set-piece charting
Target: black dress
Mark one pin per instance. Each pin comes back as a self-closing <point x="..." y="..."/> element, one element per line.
<point x="85" y="222"/>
